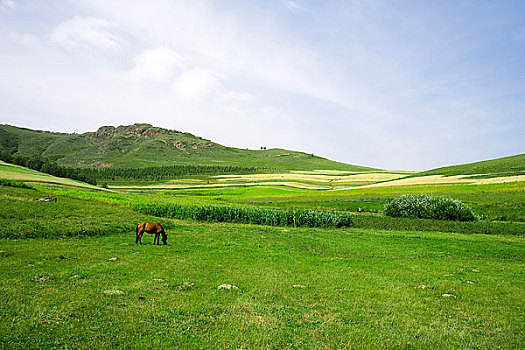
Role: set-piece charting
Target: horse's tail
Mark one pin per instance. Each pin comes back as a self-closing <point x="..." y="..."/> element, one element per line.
<point x="137" y="239"/>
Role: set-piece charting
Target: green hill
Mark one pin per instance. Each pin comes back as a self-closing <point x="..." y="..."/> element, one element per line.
<point x="143" y="145"/>
<point x="507" y="166"/>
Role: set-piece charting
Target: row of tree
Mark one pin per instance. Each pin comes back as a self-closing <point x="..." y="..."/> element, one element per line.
<point x="48" y="167"/>
<point x="165" y="172"/>
<point x="98" y="175"/>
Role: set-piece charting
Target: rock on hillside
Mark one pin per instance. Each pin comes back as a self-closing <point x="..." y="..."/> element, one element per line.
<point x="126" y="131"/>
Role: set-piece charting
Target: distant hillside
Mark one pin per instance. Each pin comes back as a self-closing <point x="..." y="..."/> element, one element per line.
<point x="143" y="145"/>
<point x="507" y="166"/>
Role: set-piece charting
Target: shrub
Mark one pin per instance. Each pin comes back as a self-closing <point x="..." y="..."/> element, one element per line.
<point x="10" y="183"/>
<point x="428" y="207"/>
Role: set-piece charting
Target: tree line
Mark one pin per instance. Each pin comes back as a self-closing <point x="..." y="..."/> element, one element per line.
<point x="98" y="175"/>
<point x="165" y="172"/>
<point x="49" y="167"/>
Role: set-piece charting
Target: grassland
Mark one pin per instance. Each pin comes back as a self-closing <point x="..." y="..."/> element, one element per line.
<point x="73" y="277"/>
<point x="507" y="166"/>
<point x="353" y="287"/>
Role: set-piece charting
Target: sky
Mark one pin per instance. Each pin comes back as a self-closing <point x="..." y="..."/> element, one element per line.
<point x="408" y="85"/>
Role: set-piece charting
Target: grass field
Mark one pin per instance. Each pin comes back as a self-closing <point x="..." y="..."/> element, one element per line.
<point x="506" y="166"/>
<point x="353" y="287"/>
<point x="74" y="278"/>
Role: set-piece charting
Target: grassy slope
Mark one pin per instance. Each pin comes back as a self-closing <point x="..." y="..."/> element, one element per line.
<point x="362" y="287"/>
<point x="18" y="173"/>
<point x="129" y="146"/>
<point x="513" y="165"/>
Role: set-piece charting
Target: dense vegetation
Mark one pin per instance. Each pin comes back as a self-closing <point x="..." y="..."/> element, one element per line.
<point x="211" y="213"/>
<point x="163" y="172"/>
<point x="423" y="206"/>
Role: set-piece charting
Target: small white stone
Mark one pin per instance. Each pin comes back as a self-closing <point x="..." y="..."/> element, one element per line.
<point x="227" y="286"/>
<point x="113" y="291"/>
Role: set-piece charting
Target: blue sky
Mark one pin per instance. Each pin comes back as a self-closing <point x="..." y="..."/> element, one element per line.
<point x="390" y="84"/>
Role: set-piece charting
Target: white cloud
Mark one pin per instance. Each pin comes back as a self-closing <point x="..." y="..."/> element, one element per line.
<point x="7" y="5"/>
<point x="23" y="39"/>
<point x="294" y="6"/>
<point x="236" y="96"/>
<point x="236" y="102"/>
<point x="197" y="83"/>
<point x="159" y="65"/>
<point x="241" y="41"/>
<point x="86" y="33"/>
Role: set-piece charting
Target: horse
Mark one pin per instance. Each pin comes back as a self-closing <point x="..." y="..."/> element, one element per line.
<point x="153" y="228"/>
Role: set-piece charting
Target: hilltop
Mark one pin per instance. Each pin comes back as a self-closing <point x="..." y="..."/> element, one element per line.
<point x="506" y="166"/>
<point x="144" y="145"/>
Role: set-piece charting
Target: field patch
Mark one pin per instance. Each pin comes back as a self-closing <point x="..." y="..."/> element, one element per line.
<point x="429" y="180"/>
<point x="323" y="180"/>
<point x="315" y="180"/>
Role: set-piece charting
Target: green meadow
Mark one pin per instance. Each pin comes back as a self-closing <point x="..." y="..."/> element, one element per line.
<point x="73" y="277"/>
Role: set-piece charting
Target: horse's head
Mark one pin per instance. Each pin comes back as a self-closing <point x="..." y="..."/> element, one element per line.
<point x="165" y="239"/>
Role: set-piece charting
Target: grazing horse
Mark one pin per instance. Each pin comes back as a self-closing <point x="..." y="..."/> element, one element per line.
<point x="153" y="228"/>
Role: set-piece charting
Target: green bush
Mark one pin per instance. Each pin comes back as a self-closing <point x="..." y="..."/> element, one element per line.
<point x="270" y="217"/>
<point x="428" y="207"/>
<point x="10" y="183"/>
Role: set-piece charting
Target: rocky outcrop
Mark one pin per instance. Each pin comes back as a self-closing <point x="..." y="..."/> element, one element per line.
<point x="134" y="131"/>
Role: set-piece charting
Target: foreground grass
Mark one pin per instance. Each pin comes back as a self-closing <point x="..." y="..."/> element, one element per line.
<point x="361" y="289"/>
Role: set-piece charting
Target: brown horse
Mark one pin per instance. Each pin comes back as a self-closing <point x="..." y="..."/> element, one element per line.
<point x="153" y="228"/>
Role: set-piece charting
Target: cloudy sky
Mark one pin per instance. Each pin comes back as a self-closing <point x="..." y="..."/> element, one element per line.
<point x="390" y="84"/>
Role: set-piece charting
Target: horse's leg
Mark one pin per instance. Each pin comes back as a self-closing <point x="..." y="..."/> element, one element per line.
<point x="157" y="238"/>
